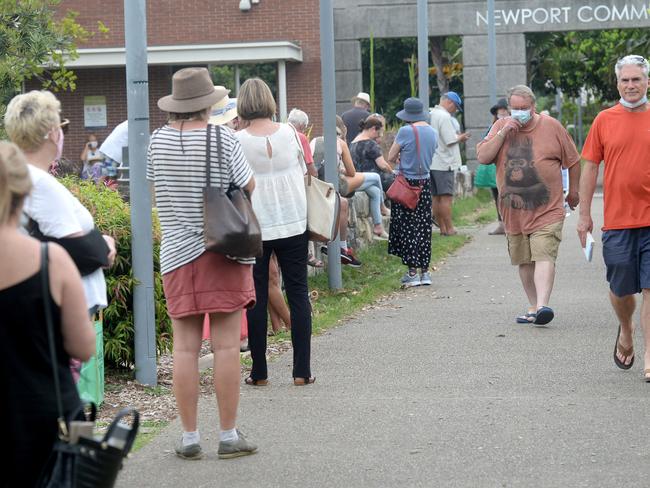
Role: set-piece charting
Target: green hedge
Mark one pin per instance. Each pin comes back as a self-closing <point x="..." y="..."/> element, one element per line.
<point x="113" y="216"/>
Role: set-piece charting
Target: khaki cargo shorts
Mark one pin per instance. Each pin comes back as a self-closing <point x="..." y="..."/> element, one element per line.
<point x="541" y="245"/>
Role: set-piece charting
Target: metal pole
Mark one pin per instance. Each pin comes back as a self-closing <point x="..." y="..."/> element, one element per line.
<point x="282" y="89"/>
<point x="492" y="55"/>
<point x="237" y="80"/>
<point x="558" y="104"/>
<point x="423" y="52"/>
<point x="329" y="127"/>
<point x="137" y="87"/>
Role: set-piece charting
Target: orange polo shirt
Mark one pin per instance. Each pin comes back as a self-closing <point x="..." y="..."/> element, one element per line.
<point x="621" y="139"/>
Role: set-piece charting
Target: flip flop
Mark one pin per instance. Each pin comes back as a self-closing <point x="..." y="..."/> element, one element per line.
<point x="646" y="375"/>
<point x="527" y="318"/>
<point x="544" y="316"/>
<point x="627" y="352"/>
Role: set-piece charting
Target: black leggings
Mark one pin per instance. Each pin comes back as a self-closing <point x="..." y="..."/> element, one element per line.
<point x="495" y="195"/>
<point x="292" y="259"/>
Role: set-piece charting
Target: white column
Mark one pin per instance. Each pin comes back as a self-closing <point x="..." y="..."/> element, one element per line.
<point x="237" y="80"/>
<point x="282" y="90"/>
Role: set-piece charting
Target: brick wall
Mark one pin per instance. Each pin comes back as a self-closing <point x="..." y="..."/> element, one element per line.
<point x="111" y="83"/>
<point x="186" y="22"/>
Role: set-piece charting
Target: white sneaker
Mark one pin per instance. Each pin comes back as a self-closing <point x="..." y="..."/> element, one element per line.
<point x="425" y="278"/>
<point x="409" y="281"/>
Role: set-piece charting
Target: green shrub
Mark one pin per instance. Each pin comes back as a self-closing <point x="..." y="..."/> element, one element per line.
<point x="113" y="217"/>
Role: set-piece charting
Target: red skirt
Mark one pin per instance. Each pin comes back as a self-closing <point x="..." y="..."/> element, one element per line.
<point x="211" y="283"/>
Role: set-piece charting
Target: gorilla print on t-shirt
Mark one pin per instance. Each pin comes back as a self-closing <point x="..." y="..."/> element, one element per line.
<point x="524" y="189"/>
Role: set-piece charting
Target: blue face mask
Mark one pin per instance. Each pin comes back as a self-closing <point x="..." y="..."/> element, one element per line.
<point x="521" y="116"/>
<point x="627" y="104"/>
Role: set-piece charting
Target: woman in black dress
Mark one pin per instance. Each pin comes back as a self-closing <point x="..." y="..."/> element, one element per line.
<point x="26" y="371"/>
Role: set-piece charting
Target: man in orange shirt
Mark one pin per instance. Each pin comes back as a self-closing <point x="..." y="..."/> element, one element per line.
<point x="529" y="150"/>
<point x="620" y="137"/>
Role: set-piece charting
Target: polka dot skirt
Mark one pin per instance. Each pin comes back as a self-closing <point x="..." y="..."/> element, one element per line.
<point x="410" y="230"/>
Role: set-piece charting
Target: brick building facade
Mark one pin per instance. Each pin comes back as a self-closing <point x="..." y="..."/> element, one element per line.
<point x="186" y="24"/>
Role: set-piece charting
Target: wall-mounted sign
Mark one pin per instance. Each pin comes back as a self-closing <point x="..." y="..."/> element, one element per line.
<point x="95" y="112"/>
<point x="584" y="14"/>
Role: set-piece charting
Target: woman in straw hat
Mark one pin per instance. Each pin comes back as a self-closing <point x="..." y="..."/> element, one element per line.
<point x="281" y="208"/>
<point x="197" y="282"/>
<point x="410" y="230"/>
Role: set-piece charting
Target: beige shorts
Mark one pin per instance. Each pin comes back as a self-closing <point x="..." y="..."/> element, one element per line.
<point x="541" y="245"/>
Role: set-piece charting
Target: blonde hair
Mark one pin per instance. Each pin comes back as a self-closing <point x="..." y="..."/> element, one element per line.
<point x="30" y="117"/>
<point x="15" y="182"/>
<point x="255" y="100"/>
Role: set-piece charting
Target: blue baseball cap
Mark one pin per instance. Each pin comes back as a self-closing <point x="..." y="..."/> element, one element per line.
<point x="454" y="97"/>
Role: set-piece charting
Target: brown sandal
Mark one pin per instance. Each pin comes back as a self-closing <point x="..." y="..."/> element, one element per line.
<point x="250" y="381"/>
<point x="304" y="381"/>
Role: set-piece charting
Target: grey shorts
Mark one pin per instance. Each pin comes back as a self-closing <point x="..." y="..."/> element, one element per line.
<point x="442" y="182"/>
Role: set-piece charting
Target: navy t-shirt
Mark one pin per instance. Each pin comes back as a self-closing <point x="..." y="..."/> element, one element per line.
<point x="352" y="118"/>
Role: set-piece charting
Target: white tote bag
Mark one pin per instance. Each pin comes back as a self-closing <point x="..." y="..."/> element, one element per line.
<point x="323" y="209"/>
<point x="323" y="203"/>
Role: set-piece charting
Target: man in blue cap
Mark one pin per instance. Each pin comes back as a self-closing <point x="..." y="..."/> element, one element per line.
<point x="446" y="160"/>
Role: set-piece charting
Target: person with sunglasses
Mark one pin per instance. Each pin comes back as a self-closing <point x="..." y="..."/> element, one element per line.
<point x="620" y="138"/>
<point x="33" y="123"/>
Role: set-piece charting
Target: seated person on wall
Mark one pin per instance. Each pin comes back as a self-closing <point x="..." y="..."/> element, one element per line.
<point x="347" y="255"/>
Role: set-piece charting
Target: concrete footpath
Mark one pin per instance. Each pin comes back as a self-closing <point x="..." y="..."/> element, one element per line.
<point x="440" y="388"/>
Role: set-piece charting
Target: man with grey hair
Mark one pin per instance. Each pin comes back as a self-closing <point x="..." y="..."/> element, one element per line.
<point x="529" y="151"/>
<point x="446" y="160"/>
<point x="620" y="138"/>
<point x="300" y="121"/>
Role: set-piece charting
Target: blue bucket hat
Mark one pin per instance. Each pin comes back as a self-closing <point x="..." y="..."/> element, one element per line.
<point x="413" y="111"/>
<point x="454" y="97"/>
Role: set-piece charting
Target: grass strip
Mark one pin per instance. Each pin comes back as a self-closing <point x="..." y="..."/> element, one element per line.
<point x="380" y="273"/>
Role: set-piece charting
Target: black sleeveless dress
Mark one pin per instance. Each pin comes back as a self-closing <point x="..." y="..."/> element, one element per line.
<point x="28" y="407"/>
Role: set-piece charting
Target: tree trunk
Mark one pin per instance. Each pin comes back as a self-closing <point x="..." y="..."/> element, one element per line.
<point x="437" y="44"/>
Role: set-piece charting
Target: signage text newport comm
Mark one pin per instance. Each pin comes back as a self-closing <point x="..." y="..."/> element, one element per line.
<point x="564" y="15"/>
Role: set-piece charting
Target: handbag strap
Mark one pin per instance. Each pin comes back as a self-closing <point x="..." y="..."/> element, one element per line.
<point x="45" y="287"/>
<point x="417" y="148"/>
<point x="208" y="152"/>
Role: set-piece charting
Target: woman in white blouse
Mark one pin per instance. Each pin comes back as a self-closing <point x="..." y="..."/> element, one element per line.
<point x="280" y="204"/>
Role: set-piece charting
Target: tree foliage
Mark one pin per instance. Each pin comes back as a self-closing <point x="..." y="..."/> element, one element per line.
<point x="573" y="60"/>
<point x="35" y="44"/>
<point x="395" y="68"/>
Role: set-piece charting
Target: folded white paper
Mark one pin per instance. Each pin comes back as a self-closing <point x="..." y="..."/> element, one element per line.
<point x="589" y="247"/>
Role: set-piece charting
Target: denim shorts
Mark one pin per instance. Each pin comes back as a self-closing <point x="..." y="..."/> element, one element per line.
<point x="627" y="256"/>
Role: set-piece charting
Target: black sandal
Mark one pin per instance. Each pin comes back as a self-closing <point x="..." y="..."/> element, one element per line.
<point x="623" y="351"/>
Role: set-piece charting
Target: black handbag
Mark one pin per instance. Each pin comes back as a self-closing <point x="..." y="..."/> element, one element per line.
<point x="87" y="463"/>
<point x="230" y="225"/>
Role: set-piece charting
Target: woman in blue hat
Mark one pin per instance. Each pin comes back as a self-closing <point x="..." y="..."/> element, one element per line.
<point x="410" y="230"/>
